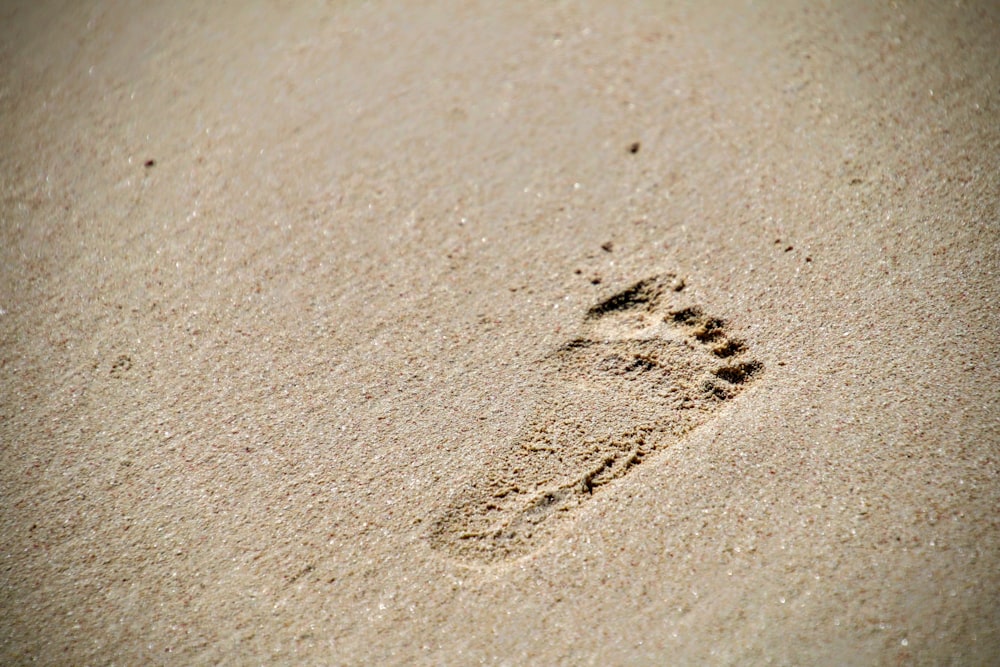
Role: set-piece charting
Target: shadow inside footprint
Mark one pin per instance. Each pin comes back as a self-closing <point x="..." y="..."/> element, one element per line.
<point x="644" y="371"/>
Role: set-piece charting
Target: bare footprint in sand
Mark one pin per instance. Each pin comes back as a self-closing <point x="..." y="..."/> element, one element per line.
<point x="647" y="369"/>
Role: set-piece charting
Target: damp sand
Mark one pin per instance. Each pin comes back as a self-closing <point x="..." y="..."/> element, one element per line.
<point x="600" y="333"/>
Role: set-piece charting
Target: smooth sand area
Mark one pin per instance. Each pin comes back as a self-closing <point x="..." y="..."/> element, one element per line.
<point x="466" y="332"/>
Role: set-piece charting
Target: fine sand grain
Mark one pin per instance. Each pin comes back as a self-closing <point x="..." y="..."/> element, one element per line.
<point x="459" y="332"/>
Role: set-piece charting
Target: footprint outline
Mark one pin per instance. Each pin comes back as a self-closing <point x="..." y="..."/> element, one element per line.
<point x="663" y="361"/>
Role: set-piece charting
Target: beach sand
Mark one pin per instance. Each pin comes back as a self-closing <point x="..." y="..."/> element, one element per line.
<point x="503" y="333"/>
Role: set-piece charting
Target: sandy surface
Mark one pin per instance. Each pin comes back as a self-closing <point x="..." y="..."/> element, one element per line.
<point x="391" y="334"/>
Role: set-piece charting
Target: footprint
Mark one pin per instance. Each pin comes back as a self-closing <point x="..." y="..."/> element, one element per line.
<point x="646" y="369"/>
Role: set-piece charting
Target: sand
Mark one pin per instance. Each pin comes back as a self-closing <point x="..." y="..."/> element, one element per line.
<point x="506" y="333"/>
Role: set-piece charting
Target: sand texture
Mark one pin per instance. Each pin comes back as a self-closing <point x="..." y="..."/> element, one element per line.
<point x="459" y="332"/>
